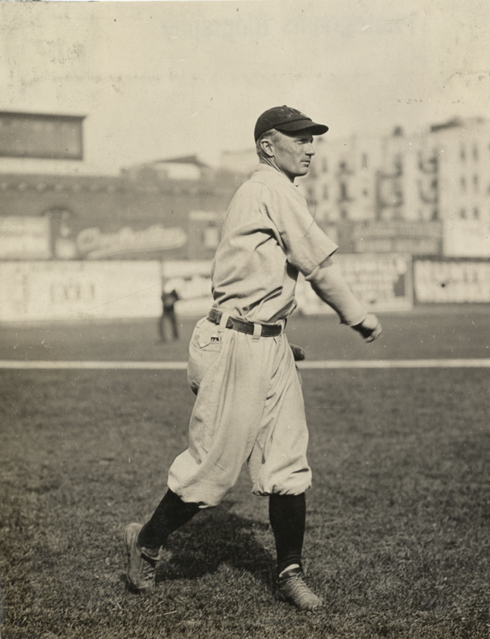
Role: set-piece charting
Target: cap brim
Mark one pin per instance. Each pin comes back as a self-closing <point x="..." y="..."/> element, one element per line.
<point x="301" y="125"/>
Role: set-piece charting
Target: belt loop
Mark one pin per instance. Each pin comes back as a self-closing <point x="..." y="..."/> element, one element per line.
<point x="257" y="332"/>
<point x="225" y="316"/>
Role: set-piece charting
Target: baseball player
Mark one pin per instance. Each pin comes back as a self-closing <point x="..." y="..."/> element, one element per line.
<point x="168" y="317"/>
<point x="249" y="405"/>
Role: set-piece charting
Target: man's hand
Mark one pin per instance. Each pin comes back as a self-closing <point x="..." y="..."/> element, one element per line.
<point x="369" y="328"/>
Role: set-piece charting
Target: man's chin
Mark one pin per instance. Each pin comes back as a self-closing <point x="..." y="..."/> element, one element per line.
<point x="299" y="172"/>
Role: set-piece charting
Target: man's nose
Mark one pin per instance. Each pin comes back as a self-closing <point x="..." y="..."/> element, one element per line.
<point x="309" y="149"/>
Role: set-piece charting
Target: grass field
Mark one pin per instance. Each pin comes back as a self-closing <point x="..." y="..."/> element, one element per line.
<point x="398" y="535"/>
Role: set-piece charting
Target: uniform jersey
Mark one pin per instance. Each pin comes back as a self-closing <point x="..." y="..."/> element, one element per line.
<point x="268" y="237"/>
<point x="249" y="405"/>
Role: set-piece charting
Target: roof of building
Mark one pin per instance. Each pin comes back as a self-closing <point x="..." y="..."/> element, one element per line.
<point x="186" y="159"/>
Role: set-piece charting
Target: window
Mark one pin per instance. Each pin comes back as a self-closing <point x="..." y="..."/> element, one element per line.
<point x="463" y="183"/>
<point x="462" y="152"/>
<point x="476" y="213"/>
<point x="364" y="161"/>
<point x="475" y="183"/>
<point x="325" y="192"/>
<point x="324" y="165"/>
<point x="475" y="152"/>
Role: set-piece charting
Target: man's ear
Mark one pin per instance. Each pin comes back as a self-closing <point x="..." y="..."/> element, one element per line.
<point x="267" y="147"/>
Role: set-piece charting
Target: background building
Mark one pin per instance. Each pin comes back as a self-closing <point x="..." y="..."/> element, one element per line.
<point x="411" y="215"/>
<point x="165" y="209"/>
<point x="422" y="194"/>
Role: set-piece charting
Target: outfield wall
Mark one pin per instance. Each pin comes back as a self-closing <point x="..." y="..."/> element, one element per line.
<point x="37" y="291"/>
<point x="382" y="281"/>
<point x="451" y="281"/>
<point x="85" y="290"/>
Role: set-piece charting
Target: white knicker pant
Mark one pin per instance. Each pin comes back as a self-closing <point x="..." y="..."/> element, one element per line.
<point x="249" y="407"/>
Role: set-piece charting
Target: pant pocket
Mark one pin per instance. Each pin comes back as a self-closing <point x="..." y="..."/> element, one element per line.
<point x="205" y="347"/>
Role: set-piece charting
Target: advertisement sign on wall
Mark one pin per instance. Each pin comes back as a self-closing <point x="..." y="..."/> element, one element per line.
<point x="415" y="238"/>
<point x="24" y="238"/>
<point x="33" y="291"/>
<point x="41" y="135"/>
<point x="382" y="282"/>
<point x="466" y="238"/>
<point x="448" y="281"/>
<point x="57" y="290"/>
<point x="94" y="244"/>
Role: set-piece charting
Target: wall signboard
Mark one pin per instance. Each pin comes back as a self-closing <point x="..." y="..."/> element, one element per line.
<point x="466" y="238"/>
<point x="414" y="238"/>
<point x="24" y="238"/>
<point x="94" y="244"/>
<point x="382" y="282"/>
<point x="448" y="281"/>
<point x="39" y="135"/>
<point x="57" y="290"/>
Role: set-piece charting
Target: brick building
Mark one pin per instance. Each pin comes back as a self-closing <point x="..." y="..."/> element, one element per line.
<point x="167" y="209"/>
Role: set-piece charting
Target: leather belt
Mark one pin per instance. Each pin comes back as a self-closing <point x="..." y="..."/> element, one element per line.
<point x="242" y="326"/>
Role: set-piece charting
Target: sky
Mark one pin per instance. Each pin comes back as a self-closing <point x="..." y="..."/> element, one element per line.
<point x="162" y="79"/>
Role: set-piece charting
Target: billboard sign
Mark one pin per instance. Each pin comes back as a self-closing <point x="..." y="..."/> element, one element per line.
<point x="448" y="281"/>
<point x="40" y="135"/>
<point x="26" y="238"/>
<point x="383" y="282"/>
<point x="413" y="238"/>
<point x="466" y="238"/>
<point x="34" y="291"/>
<point x="94" y="244"/>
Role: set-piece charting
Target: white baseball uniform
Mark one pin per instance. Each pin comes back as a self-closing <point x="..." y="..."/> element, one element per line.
<point x="249" y="405"/>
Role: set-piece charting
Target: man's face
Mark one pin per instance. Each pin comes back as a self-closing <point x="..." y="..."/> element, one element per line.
<point x="293" y="152"/>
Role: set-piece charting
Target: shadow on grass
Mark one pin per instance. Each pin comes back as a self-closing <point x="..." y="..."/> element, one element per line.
<point x="215" y="538"/>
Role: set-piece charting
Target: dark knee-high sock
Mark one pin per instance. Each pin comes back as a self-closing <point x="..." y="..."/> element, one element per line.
<point x="170" y="514"/>
<point x="287" y="514"/>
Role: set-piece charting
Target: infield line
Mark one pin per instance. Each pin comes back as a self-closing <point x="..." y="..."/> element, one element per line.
<point x="313" y="365"/>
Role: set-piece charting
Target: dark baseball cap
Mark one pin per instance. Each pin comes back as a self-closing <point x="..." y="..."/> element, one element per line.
<point x="287" y="119"/>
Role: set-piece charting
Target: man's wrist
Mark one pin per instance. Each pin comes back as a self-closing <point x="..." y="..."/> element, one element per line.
<point x="356" y="321"/>
<point x="369" y="328"/>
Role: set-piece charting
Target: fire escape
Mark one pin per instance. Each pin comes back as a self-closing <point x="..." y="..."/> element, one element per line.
<point x="389" y="191"/>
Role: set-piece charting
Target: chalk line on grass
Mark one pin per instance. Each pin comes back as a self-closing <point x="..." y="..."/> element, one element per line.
<point x="320" y="364"/>
<point x="398" y="363"/>
<point x="58" y="365"/>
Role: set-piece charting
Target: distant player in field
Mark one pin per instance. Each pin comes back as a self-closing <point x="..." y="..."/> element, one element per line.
<point x="249" y="405"/>
<point x="168" y="320"/>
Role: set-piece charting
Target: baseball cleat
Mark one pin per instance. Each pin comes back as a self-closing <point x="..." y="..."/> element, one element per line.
<point x="292" y="588"/>
<point x="141" y="568"/>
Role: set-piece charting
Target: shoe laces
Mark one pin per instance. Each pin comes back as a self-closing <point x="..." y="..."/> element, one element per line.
<point x="297" y="584"/>
<point x="294" y="587"/>
<point x="148" y="569"/>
